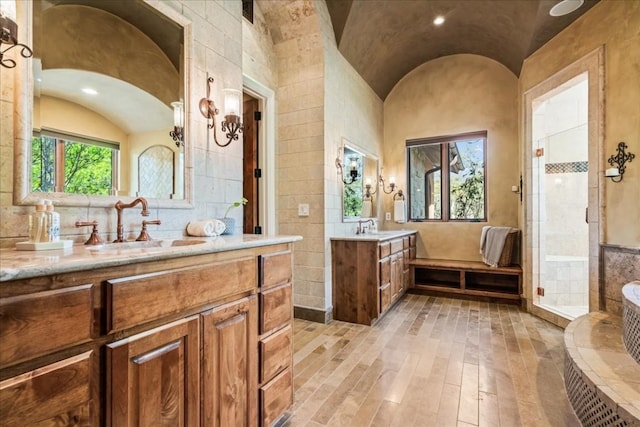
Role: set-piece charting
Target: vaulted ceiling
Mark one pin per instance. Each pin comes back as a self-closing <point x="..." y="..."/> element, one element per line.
<point x="386" y="39"/>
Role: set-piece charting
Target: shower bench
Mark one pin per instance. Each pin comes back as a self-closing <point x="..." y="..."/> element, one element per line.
<point x="468" y="278"/>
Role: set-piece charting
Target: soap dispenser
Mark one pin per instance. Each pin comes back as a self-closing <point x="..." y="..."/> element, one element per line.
<point x="53" y="222"/>
<point x="38" y="224"/>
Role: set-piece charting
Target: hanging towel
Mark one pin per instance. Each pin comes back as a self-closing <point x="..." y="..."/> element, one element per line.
<point x="210" y="228"/>
<point x="399" y="211"/>
<point x="492" y="243"/>
<point x="367" y="208"/>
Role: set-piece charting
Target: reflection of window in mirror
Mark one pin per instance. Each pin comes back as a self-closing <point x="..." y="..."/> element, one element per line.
<point x="155" y="172"/>
<point x="447" y="190"/>
<point x="73" y="164"/>
<point x="352" y="192"/>
<point x="119" y="91"/>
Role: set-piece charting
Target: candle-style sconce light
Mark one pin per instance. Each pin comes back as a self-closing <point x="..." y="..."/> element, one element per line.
<point x="178" y="123"/>
<point x="618" y="161"/>
<point x="232" y="124"/>
<point x="353" y="170"/>
<point x="391" y="187"/>
<point x="368" y="194"/>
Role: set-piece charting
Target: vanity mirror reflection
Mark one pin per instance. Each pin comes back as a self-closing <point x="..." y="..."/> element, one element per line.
<point x="105" y="75"/>
<point x="359" y="169"/>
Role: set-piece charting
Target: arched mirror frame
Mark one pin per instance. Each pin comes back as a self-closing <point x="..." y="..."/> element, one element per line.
<point x="23" y="90"/>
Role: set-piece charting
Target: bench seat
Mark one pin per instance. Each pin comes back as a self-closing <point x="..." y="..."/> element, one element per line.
<point x="466" y="278"/>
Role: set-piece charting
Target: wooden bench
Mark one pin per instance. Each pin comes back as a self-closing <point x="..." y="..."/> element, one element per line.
<point x="471" y="278"/>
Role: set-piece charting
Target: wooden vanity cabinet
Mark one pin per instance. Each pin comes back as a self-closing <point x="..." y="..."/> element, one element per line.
<point x="369" y="276"/>
<point x="195" y="341"/>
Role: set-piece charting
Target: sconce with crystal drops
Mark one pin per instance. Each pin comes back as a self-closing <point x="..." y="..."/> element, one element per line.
<point x="232" y="124"/>
<point x="9" y="34"/>
<point x="353" y="170"/>
<point x="617" y="162"/>
<point x="178" y="123"/>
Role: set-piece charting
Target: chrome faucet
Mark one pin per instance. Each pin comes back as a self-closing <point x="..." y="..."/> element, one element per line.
<point x="120" y="206"/>
<point x="361" y="222"/>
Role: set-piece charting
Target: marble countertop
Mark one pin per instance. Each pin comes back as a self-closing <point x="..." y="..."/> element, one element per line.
<point x="377" y="236"/>
<point x="16" y="264"/>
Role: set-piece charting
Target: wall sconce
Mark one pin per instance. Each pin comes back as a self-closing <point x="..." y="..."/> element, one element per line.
<point x="232" y="123"/>
<point x="353" y="170"/>
<point x="619" y="159"/>
<point x="9" y="33"/>
<point x="178" y="123"/>
<point x="367" y="189"/>
<point x="392" y="185"/>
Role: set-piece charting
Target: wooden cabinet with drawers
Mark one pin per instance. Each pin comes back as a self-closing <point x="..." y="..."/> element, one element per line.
<point x="276" y="336"/>
<point x="196" y="340"/>
<point x="369" y="275"/>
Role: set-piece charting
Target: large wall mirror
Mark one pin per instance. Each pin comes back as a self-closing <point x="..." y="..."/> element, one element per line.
<point x="105" y="75"/>
<point x="356" y="204"/>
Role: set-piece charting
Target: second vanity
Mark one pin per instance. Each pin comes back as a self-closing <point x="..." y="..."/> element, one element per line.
<point x="185" y="334"/>
<point x="370" y="272"/>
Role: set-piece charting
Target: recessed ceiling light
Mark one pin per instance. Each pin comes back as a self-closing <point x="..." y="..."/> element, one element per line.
<point x="565" y="7"/>
<point x="439" y="20"/>
<point x="89" y="91"/>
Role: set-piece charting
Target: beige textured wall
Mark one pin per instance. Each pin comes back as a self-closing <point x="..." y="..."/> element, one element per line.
<point x="259" y="60"/>
<point x="451" y="95"/>
<point x="616" y="25"/>
<point x="297" y="39"/>
<point x="320" y="100"/>
<point x="217" y="174"/>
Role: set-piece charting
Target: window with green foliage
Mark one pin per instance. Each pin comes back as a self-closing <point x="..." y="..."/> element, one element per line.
<point x="449" y="190"/>
<point x="353" y="192"/>
<point x="64" y="163"/>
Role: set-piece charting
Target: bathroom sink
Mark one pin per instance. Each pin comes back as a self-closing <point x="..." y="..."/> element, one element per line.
<point x="149" y="244"/>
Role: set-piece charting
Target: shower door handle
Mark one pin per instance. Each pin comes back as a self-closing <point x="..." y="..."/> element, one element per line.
<point x="586" y="214"/>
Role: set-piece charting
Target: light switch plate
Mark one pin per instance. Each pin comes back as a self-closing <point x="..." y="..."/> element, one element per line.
<point x="303" y="209"/>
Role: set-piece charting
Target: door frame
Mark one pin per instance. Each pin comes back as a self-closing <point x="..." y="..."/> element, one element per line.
<point x="267" y="147"/>
<point x="593" y="63"/>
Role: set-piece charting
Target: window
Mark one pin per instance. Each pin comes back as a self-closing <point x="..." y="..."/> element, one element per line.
<point x="71" y="164"/>
<point x="450" y="190"/>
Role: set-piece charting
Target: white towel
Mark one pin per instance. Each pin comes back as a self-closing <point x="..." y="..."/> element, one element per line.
<point x="367" y="208"/>
<point x="492" y="243"/>
<point x="209" y="228"/>
<point x="399" y="211"/>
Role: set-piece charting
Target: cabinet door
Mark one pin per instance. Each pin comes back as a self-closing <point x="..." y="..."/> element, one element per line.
<point x="396" y="276"/>
<point x="153" y="377"/>
<point x="230" y="364"/>
<point x="56" y="394"/>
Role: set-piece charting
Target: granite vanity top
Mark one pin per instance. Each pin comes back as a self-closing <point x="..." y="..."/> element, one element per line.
<point x="16" y="264"/>
<point x="378" y="236"/>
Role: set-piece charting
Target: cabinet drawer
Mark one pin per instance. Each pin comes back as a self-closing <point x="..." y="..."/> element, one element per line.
<point x="385" y="249"/>
<point x="276" y="397"/>
<point x="412" y="240"/>
<point x="276" y="309"/>
<point x="138" y="299"/>
<point x="385" y="297"/>
<point x="396" y="246"/>
<point x="275" y="353"/>
<point x="405" y="242"/>
<point x="39" y="323"/>
<point x="50" y="394"/>
<point x="275" y="269"/>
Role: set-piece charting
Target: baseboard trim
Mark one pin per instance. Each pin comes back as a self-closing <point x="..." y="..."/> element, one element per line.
<point x="313" y="314"/>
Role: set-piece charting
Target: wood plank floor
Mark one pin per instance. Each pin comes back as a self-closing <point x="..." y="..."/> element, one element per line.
<point x="431" y="361"/>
